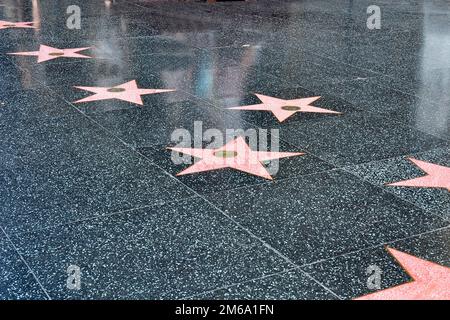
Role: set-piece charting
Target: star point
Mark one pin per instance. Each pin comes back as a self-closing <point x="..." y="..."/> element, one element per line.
<point x="47" y="53"/>
<point x="10" y="25"/>
<point x="437" y="176"/>
<point x="128" y="91"/>
<point x="283" y="109"/>
<point x="236" y="154"/>
<point x="431" y="281"/>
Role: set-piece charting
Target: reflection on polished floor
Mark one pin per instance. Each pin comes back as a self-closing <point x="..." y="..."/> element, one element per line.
<point x="350" y="198"/>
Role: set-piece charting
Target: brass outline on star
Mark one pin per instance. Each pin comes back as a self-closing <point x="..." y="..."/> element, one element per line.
<point x="15" y="25"/>
<point x="235" y="154"/>
<point x="283" y="109"/>
<point x="47" y="53"/>
<point x="437" y="176"/>
<point x="430" y="281"/>
<point x="127" y="91"/>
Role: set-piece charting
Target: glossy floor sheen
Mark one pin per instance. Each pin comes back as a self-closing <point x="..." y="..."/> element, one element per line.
<point x="88" y="181"/>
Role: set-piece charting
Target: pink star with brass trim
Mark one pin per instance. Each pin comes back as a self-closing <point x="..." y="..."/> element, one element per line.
<point x="430" y="281"/>
<point x="283" y="109"/>
<point x="235" y="154"/>
<point x="437" y="176"/>
<point x="8" y="25"/>
<point x="46" y="53"/>
<point x="128" y="91"/>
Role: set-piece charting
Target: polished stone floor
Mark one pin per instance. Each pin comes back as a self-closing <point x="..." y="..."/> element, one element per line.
<point x="360" y="207"/>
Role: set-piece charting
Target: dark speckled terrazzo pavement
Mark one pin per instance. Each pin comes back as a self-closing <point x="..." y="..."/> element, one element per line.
<point x="92" y="184"/>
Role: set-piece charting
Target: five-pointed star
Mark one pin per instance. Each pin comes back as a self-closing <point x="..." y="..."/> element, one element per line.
<point x="283" y="109"/>
<point x="46" y="53"/>
<point x="128" y="91"/>
<point x="7" y="25"/>
<point x="437" y="176"/>
<point x="235" y="154"/>
<point x="430" y="281"/>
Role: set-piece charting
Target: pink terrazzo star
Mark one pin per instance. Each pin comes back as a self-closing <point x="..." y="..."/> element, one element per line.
<point x="437" y="176"/>
<point x="46" y="53"/>
<point x="9" y="25"/>
<point x="235" y="154"/>
<point x="430" y="281"/>
<point x="126" y="92"/>
<point x="283" y="109"/>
